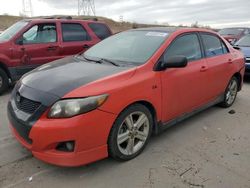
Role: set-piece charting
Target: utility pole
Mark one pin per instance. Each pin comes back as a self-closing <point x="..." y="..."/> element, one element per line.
<point x="27" y="8"/>
<point x="86" y="8"/>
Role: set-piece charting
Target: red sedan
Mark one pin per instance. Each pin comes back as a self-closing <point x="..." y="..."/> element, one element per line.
<point x="109" y="100"/>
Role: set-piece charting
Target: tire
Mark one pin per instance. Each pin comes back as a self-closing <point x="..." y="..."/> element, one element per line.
<point x="4" y="81"/>
<point x="230" y="93"/>
<point x="125" y="142"/>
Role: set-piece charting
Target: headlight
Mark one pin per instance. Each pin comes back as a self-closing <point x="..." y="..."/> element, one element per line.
<point x="71" y="107"/>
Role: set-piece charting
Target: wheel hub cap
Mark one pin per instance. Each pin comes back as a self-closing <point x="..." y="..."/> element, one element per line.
<point x="133" y="133"/>
<point x="232" y="92"/>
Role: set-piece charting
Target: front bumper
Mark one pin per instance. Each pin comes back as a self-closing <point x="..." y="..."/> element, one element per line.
<point x="42" y="135"/>
<point x="90" y="133"/>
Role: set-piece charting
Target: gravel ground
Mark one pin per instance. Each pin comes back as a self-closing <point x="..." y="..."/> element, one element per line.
<point x="211" y="149"/>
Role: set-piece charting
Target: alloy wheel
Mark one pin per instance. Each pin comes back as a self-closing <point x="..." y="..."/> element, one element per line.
<point x="232" y="92"/>
<point x="133" y="133"/>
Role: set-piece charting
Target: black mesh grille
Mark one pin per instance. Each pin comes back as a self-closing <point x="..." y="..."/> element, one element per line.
<point x="22" y="129"/>
<point x="26" y="105"/>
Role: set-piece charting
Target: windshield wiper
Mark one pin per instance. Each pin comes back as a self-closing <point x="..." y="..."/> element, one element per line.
<point x="110" y="61"/>
<point x="101" y="60"/>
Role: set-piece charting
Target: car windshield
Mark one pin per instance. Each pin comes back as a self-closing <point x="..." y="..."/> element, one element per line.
<point x="231" y="31"/>
<point x="12" y="31"/>
<point x="244" y="41"/>
<point x="135" y="46"/>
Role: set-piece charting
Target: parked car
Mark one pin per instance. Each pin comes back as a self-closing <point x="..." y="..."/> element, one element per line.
<point x="232" y="35"/>
<point x="244" y="45"/>
<point x="109" y="100"/>
<point x="33" y="42"/>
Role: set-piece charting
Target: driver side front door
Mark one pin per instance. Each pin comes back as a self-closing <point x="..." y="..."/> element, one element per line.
<point x="184" y="89"/>
<point x="37" y="46"/>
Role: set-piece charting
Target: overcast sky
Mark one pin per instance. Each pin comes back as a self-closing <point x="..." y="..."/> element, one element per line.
<point x="216" y="13"/>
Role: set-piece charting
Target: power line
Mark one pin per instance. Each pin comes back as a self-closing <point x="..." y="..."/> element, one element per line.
<point x="27" y="8"/>
<point x="86" y="7"/>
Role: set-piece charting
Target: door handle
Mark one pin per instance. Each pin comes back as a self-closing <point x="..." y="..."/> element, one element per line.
<point x="86" y="46"/>
<point x="52" y="48"/>
<point x="230" y="61"/>
<point x="203" y="68"/>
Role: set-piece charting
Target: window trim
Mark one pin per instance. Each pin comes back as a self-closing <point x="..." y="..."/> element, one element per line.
<point x="214" y="35"/>
<point x="156" y="66"/>
<point x="37" y="24"/>
<point x="89" y="38"/>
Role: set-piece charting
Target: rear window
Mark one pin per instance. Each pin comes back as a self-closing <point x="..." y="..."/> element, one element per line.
<point x="100" y="30"/>
<point x="74" y="32"/>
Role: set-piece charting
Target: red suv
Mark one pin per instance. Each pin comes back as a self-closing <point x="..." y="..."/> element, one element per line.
<point x="109" y="100"/>
<point x="31" y="43"/>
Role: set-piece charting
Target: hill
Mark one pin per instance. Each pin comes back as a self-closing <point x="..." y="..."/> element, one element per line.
<point x="6" y="21"/>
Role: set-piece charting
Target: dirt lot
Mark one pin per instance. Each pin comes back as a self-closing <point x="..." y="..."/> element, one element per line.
<point x="211" y="149"/>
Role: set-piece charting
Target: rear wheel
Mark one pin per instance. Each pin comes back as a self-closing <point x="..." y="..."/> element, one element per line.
<point x="4" y="81"/>
<point x="130" y="133"/>
<point x="230" y="93"/>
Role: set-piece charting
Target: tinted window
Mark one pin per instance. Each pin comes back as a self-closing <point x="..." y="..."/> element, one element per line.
<point x="100" y="30"/>
<point x="41" y="33"/>
<point x="213" y="45"/>
<point x="187" y="45"/>
<point x="74" y="32"/>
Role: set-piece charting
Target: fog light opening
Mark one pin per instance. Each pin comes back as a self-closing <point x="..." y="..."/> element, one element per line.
<point x="68" y="146"/>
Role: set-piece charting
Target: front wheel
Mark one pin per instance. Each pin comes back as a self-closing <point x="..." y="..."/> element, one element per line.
<point x="230" y="93"/>
<point x="130" y="133"/>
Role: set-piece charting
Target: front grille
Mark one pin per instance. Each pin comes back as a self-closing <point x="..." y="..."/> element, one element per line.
<point x="22" y="129"/>
<point x="26" y="105"/>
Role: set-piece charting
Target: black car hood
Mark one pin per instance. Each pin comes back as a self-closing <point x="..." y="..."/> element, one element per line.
<point x="62" y="76"/>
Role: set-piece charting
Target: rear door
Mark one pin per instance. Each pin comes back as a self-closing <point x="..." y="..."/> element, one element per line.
<point x="37" y="45"/>
<point x="75" y="39"/>
<point x="184" y="89"/>
<point x="219" y="62"/>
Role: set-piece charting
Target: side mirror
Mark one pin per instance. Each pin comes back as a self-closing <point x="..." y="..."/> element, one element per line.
<point x="174" y="62"/>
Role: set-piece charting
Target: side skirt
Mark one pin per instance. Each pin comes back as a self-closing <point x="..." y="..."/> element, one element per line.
<point x="163" y="126"/>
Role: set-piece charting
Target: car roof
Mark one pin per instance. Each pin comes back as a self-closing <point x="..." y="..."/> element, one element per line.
<point x="173" y="29"/>
<point x="38" y="20"/>
<point x="237" y="28"/>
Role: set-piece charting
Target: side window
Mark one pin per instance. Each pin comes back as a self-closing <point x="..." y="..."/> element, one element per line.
<point x="100" y="30"/>
<point x="73" y="32"/>
<point x="213" y="45"/>
<point x="187" y="45"/>
<point x="41" y="33"/>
